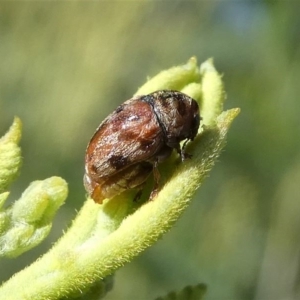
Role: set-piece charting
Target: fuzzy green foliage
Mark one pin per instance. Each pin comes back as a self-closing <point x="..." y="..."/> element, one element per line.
<point x="104" y="237"/>
<point x="28" y="221"/>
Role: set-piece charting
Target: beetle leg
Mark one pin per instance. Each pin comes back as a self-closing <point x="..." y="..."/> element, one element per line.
<point x="156" y="176"/>
<point x="181" y="151"/>
<point x="139" y="193"/>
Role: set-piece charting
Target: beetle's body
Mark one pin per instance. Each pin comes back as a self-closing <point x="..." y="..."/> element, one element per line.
<point x="130" y="142"/>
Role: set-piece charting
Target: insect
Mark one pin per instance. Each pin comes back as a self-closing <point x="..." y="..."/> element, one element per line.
<point x="128" y="145"/>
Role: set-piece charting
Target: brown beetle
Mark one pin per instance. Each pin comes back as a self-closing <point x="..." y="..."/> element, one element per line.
<point x="130" y="142"/>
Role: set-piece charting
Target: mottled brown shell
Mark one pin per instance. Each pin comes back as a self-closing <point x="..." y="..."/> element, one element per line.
<point x="134" y="138"/>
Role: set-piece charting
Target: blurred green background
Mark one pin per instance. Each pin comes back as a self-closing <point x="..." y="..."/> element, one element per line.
<point x="65" y="66"/>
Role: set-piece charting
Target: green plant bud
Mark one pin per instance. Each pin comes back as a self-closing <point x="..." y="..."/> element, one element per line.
<point x="194" y="90"/>
<point x="175" y="78"/>
<point x="213" y="94"/>
<point x="21" y="238"/>
<point x="15" y="239"/>
<point x="40" y="201"/>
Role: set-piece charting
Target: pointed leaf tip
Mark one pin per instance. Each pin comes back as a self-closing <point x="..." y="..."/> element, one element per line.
<point x="10" y="155"/>
<point x="14" y="133"/>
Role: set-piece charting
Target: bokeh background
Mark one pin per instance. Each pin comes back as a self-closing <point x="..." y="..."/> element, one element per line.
<point x="65" y="65"/>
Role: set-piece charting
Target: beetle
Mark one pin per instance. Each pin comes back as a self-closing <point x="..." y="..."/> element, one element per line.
<point x="130" y="143"/>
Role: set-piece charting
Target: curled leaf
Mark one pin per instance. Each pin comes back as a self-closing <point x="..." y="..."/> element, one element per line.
<point x="105" y="237"/>
<point x="29" y="220"/>
<point x="175" y="78"/>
